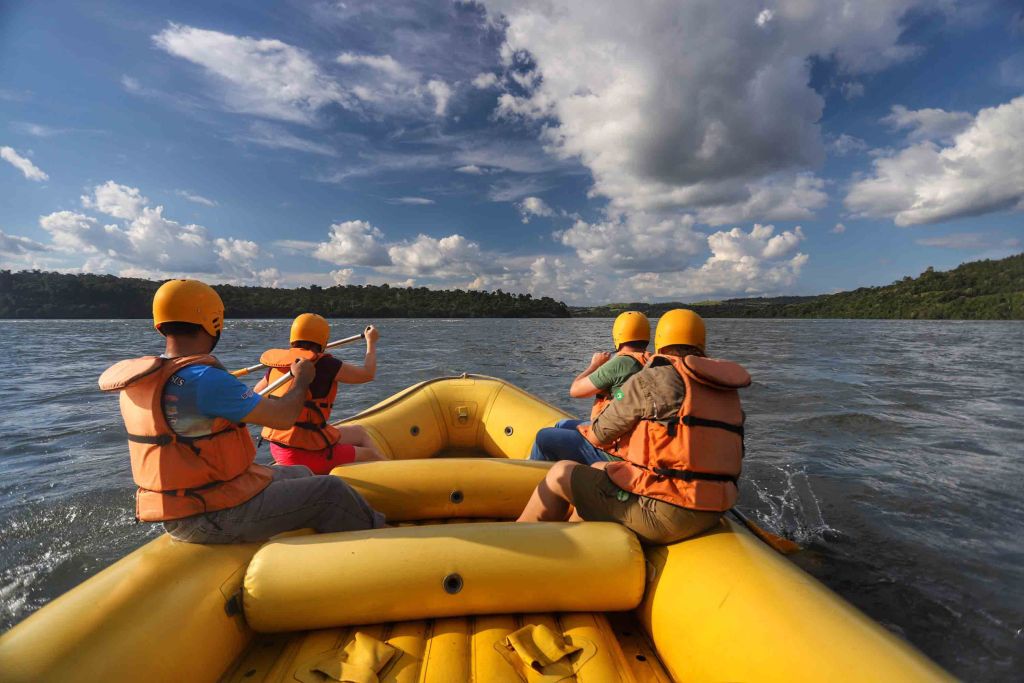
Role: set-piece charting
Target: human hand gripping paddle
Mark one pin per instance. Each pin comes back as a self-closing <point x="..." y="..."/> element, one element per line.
<point x="259" y="366"/>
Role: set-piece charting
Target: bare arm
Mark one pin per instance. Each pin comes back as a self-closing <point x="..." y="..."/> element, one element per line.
<point x="349" y="373"/>
<point x="582" y="387"/>
<point x="280" y="412"/>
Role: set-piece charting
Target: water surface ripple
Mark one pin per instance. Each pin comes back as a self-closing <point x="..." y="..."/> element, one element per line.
<point x="892" y="450"/>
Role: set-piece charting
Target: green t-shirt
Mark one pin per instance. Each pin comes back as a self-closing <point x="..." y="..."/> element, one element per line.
<point x="610" y="377"/>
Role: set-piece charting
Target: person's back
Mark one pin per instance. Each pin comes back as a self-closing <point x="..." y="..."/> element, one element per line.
<point x="191" y="454"/>
<point x="312" y="441"/>
<point x="602" y="379"/>
<point x="683" y="422"/>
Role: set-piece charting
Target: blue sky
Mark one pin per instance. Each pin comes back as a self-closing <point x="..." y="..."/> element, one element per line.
<point x="587" y="150"/>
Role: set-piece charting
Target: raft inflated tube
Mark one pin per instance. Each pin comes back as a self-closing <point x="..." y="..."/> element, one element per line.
<point x="453" y="488"/>
<point x="404" y="573"/>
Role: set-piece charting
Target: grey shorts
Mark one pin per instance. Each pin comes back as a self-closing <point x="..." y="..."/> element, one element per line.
<point x="295" y="499"/>
<point x="598" y="499"/>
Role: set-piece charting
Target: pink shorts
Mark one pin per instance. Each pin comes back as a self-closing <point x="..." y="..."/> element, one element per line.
<point x="320" y="462"/>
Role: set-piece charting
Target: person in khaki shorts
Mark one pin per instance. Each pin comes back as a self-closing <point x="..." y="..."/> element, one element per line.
<point x="683" y="419"/>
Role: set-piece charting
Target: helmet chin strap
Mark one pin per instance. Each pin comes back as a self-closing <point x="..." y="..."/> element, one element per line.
<point x="215" y="340"/>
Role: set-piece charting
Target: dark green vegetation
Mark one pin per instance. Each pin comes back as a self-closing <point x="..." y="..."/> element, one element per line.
<point x="35" y="294"/>
<point x="981" y="290"/>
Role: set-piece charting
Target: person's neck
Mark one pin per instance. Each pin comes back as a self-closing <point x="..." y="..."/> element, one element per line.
<point x="185" y="346"/>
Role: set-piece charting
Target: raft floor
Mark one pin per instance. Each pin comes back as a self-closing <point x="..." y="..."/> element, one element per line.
<point x="459" y="649"/>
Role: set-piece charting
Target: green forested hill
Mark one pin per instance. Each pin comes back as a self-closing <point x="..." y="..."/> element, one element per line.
<point x="35" y="294"/>
<point x="980" y="290"/>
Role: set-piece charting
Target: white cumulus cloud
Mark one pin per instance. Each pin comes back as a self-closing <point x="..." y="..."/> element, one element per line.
<point x="533" y="206"/>
<point x="981" y="170"/>
<point x="27" y="168"/>
<point x="687" y="105"/>
<point x="751" y="263"/>
<point x="353" y="243"/>
<point x="140" y="240"/>
<point x="928" y="124"/>
<point x="446" y="257"/>
<point x="261" y="76"/>
<point x="114" y="199"/>
<point x="485" y="80"/>
<point x="635" y="242"/>
<point x="442" y="93"/>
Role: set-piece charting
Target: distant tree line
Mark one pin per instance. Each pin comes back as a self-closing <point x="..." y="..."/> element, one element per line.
<point x="37" y="294"/>
<point x="980" y="290"/>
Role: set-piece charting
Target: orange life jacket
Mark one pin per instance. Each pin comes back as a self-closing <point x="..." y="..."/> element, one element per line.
<point x="601" y="401"/>
<point x="311" y="431"/>
<point x="180" y="476"/>
<point x="694" y="459"/>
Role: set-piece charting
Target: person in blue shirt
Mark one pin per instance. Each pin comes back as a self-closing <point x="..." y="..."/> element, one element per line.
<point x="200" y="479"/>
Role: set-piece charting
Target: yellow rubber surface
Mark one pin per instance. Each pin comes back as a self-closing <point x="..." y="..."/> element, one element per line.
<point x="725" y="607"/>
<point x="458" y="649"/>
<point x="156" y="615"/>
<point x="719" y="607"/>
<point x="460" y="413"/>
<point x="438" y="488"/>
<point x="434" y="571"/>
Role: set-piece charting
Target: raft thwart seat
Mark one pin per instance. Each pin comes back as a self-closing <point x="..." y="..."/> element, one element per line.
<point x="331" y="580"/>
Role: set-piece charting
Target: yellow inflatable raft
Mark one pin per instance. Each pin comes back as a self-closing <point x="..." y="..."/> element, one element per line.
<point x="455" y="591"/>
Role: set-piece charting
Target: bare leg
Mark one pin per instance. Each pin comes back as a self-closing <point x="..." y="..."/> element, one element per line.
<point x="600" y="465"/>
<point x="357" y="436"/>
<point x="367" y="454"/>
<point x="552" y="498"/>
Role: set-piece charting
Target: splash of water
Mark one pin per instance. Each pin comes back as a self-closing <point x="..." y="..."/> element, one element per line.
<point x="792" y="509"/>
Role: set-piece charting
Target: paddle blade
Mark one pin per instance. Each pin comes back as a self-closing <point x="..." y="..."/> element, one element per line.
<point x="780" y="544"/>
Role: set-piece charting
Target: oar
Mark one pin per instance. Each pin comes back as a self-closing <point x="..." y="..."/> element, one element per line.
<point x="783" y="545"/>
<point x="288" y="375"/>
<point x="341" y="342"/>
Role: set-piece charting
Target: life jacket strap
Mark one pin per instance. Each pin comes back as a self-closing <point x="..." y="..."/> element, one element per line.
<point x="686" y="475"/>
<point x="158" y="440"/>
<point x="168" y="439"/>
<point x="318" y="429"/>
<point x="693" y="421"/>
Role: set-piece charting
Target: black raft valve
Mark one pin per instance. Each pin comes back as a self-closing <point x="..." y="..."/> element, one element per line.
<point x="452" y="584"/>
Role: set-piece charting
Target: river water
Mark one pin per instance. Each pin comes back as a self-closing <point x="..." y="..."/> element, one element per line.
<point x="894" y="451"/>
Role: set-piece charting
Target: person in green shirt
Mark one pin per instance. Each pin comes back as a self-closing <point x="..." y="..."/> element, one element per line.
<point x="602" y="379"/>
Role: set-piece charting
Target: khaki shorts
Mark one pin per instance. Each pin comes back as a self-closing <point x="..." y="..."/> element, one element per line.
<point x="598" y="499"/>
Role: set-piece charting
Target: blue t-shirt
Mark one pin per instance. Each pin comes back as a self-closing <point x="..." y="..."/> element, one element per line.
<point x="196" y="395"/>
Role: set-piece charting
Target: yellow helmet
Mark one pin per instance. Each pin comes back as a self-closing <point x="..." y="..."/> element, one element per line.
<point x="631" y="326"/>
<point x="310" y="327"/>
<point x="188" y="301"/>
<point x="679" y="326"/>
